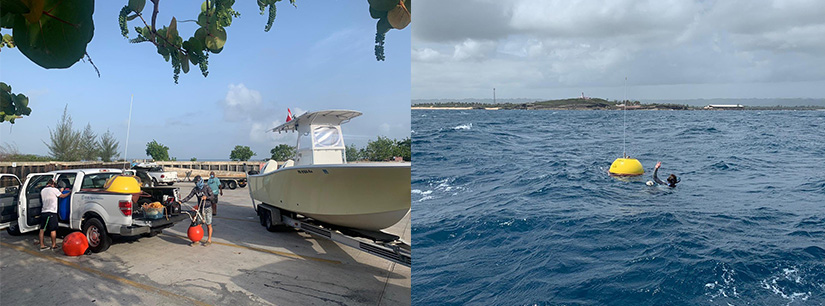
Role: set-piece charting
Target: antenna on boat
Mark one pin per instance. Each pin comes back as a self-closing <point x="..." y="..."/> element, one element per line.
<point x="494" y="95"/>
<point x="128" y="127"/>
<point x="625" y="166"/>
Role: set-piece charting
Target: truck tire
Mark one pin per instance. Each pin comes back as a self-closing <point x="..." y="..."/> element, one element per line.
<point x="223" y="184"/>
<point x="14" y="230"/>
<point x="233" y="185"/>
<point x="242" y="184"/>
<point x="95" y="232"/>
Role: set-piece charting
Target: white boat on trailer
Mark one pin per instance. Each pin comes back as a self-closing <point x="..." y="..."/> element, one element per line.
<point x="320" y="193"/>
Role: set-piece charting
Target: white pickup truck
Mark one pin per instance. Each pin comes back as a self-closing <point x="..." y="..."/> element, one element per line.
<point x="158" y="175"/>
<point x="98" y="213"/>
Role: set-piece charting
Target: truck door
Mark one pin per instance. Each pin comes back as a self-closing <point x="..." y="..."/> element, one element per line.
<point x="9" y="189"/>
<point x="30" y="203"/>
<point x="64" y="206"/>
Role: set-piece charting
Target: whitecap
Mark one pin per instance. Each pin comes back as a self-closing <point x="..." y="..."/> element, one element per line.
<point x="463" y="127"/>
<point x="417" y="191"/>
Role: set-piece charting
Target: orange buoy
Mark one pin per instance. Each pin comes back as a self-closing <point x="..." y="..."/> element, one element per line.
<point x="195" y="233"/>
<point x="75" y="244"/>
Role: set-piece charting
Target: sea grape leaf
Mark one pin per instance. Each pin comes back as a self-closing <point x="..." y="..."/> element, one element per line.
<point x="173" y="30"/>
<point x="8" y="41"/>
<point x="184" y="63"/>
<point x="35" y="10"/>
<point x="13" y="7"/>
<point x="7" y="20"/>
<point x="193" y="44"/>
<point x="59" y="40"/>
<point x="382" y="5"/>
<point x="12" y="106"/>
<point x="216" y="39"/>
<point x="399" y="17"/>
<point x="376" y="14"/>
<point x="22" y="104"/>
<point x="137" y="5"/>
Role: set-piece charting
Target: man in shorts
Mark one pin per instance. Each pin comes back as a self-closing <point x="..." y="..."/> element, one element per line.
<point x="48" y="213"/>
<point x="204" y="196"/>
<point x="214" y="184"/>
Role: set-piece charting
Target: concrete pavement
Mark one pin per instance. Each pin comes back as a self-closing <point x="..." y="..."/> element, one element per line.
<point x="245" y="265"/>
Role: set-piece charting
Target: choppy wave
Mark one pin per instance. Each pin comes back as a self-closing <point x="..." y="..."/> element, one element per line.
<point x="516" y="208"/>
<point x="463" y="126"/>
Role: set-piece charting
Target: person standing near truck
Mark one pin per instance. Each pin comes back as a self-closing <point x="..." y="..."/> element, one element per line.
<point x="214" y="184"/>
<point x="48" y="213"/>
<point x="204" y="195"/>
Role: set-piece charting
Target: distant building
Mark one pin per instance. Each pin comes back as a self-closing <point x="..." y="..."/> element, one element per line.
<point x="724" y="106"/>
<point x="585" y="97"/>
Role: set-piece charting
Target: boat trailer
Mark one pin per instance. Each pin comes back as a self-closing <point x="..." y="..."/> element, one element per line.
<point x="381" y="244"/>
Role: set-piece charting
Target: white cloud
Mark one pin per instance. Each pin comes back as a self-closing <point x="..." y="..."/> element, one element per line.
<point x="247" y="107"/>
<point x="424" y="55"/>
<point x="241" y="103"/>
<point x="473" y="50"/>
<point x="384" y="129"/>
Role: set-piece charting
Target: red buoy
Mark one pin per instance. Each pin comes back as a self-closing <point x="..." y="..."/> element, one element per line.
<point x="195" y="233"/>
<point x="75" y="244"/>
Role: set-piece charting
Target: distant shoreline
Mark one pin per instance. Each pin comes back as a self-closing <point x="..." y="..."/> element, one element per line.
<point x="597" y="104"/>
<point x="760" y="108"/>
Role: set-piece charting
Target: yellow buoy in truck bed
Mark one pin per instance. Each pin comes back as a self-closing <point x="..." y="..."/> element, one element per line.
<point x="626" y="166"/>
<point x="122" y="184"/>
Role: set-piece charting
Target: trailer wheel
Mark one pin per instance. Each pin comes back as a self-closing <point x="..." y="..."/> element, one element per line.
<point x="268" y="219"/>
<point x="242" y="184"/>
<point x="261" y="216"/>
<point x="223" y="184"/>
<point x="233" y="185"/>
<point x="95" y="232"/>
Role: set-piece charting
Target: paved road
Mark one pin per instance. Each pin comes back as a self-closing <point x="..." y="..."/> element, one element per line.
<point x="246" y="265"/>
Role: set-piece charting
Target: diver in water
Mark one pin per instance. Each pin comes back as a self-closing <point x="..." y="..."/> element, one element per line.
<point x="671" y="180"/>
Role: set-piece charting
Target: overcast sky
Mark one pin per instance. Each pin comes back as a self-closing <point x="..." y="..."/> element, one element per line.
<point x="666" y="49"/>
<point x="317" y="56"/>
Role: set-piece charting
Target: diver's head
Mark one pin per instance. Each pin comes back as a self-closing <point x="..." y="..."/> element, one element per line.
<point x="198" y="182"/>
<point x="671" y="180"/>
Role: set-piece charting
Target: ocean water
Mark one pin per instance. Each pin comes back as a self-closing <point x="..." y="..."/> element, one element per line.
<point x="516" y="208"/>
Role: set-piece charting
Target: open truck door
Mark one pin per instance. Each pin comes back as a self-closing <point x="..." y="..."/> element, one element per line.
<point x="29" y="203"/>
<point x="9" y="190"/>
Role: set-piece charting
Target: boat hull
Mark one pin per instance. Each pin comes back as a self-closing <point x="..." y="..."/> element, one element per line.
<point x="369" y="196"/>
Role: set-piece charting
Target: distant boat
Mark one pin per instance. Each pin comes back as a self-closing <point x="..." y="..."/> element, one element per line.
<point x="320" y="184"/>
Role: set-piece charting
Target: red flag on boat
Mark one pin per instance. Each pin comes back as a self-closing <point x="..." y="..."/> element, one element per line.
<point x="289" y="115"/>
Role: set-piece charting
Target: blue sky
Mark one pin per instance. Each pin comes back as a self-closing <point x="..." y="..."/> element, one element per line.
<point x="317" y="56"/>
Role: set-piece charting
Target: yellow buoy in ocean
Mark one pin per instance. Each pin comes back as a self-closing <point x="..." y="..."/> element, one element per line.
<point x="626" y="166"/>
